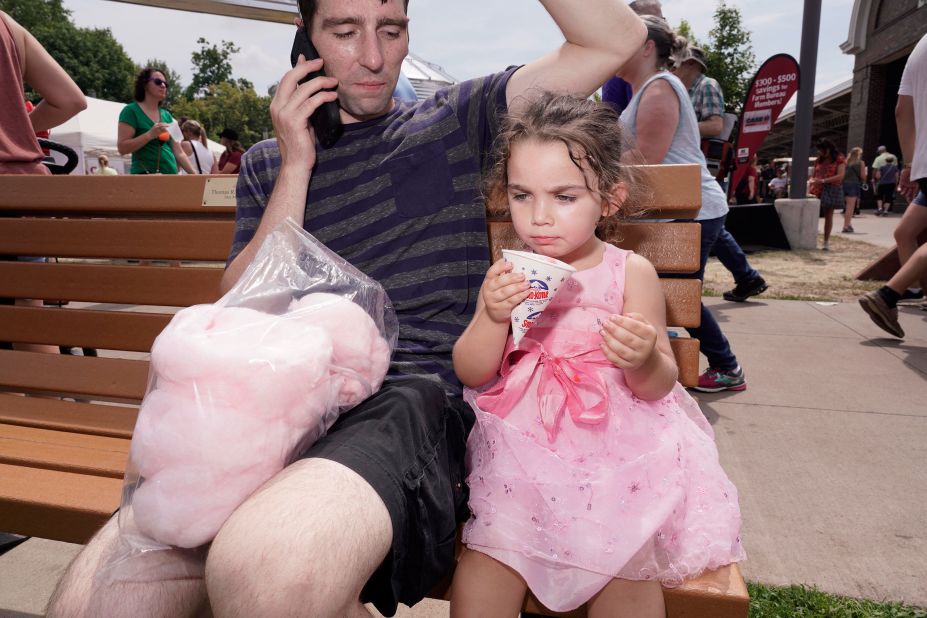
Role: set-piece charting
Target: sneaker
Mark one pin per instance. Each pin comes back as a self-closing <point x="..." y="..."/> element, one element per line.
<point x="885" y="317"/>
<point x="824" y="247"/>
<point x="716" y="380"/>
<point x="743" y="291"/>
<point x="848" y="230"/>
<point x="912" y="294"/>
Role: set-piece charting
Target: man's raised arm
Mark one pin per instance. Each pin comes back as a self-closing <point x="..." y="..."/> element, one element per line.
<point x="601" y="35"/>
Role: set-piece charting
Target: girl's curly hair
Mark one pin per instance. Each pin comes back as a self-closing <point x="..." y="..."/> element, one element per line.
<point x="595" y="141"/>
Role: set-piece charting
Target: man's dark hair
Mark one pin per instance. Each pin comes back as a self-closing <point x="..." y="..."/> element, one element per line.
<point x="141" y="80"/>
<point x="307" y="9"/>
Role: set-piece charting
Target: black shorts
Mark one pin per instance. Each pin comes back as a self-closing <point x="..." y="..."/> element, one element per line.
<point x="408" y="441"/>
<point x="886" y="193"/>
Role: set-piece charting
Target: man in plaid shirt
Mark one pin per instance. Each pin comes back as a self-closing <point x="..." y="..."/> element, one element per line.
<point x="705" y="92"/>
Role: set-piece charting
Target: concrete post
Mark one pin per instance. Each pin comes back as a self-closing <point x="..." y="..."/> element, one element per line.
<point x="804" y="107"/>
<point x="799" y="218"/>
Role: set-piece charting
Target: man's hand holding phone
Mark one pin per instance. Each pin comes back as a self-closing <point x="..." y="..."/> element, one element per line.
<point x="291" y="108"/>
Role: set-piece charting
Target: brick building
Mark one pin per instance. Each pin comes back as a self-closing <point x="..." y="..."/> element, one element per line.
<point x="882" y="35"/>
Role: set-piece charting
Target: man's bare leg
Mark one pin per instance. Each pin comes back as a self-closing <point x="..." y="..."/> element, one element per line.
<point x="164" y="582"/>
<point x="304" y="545"/>
<point x="913" y="223"/>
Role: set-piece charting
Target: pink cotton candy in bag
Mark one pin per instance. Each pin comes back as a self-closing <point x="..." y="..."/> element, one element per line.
<point x="235" y="391"/>
<point x="357" y="344"/>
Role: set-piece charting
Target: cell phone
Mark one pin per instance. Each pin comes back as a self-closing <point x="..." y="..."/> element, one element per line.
<point x="327" y="119"/>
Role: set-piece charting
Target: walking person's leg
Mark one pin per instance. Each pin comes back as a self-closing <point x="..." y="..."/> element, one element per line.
<point x="882" y="305"/>
<point x="828" y="226"/>
<point x="848" y="214"/>
<point x="723" y="371"/>
<point x="747" y="281"/>
<point x="912" y="225"/>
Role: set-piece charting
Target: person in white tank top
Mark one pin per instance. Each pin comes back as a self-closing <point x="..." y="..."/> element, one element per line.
<point x="194" y="145"/>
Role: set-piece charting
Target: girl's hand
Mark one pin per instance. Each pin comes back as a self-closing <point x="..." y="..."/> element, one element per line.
<point x="502" y="291"/>
<point x="628" y="341"/>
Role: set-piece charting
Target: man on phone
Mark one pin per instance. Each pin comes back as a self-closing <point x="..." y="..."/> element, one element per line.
<point x="369" y="513"/>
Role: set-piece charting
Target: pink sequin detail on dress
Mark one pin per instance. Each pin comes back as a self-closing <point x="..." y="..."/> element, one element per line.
<point x="574" y="480"/>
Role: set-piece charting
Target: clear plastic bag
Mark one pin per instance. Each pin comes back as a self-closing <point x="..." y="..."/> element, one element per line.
<point x="238" y="388"/>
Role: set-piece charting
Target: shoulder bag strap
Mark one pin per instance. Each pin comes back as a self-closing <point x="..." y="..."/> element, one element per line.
<point x="195" y="156"/>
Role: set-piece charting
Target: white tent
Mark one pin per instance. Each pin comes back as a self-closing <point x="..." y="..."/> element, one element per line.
<point x="426" y="77"/>
<point x="93" y="132"/>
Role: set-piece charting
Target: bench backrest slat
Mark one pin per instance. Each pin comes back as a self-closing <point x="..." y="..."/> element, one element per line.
<point x="117" y="238"/>
<point x="113" y="379"/>
<point x="85" y="328"/>
<point x="35" y="498"/>
<point x="60" y="450"/>
<point x="672" y="196"/>
<point x="121" y="194"/>
<point x="116" y="421"/>
<point x="670" y="247"/>
<point x="133" y="285"/>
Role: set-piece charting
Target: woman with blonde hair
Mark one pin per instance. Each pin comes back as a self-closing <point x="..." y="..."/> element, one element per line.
<point x="196" y="147"/>
<point x="853" y="176"/>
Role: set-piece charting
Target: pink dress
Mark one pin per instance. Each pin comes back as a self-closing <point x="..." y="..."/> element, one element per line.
<point x="574" y="480"/>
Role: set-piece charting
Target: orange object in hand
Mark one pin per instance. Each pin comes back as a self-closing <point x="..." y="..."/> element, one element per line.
<point x="164" y="136"/>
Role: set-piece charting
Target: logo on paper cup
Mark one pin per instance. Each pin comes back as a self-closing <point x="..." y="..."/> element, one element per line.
<point x="539" y="290"/>
<point x="530" y="319"/>
<point x="544" y="275"/>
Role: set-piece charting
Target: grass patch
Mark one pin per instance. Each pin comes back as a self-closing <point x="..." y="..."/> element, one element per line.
<point x="806" y="275"/>
<point x="804" y="602"/>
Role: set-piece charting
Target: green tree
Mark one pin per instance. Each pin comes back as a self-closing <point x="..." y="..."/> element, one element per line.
<point x="211" y="65"/>
<point x="685" y="29"/>
<point x="729" y="55"/>
<point x="230" y="104"/>
<point x="34" y="13"/>
<point x="175" y="88"/>
<point x="91" y="56"/>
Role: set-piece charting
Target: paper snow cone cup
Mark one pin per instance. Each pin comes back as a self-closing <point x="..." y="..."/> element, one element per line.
<point x="546" y="275"/>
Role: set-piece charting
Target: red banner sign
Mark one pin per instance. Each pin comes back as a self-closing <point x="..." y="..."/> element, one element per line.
<point x="771" y="88"/>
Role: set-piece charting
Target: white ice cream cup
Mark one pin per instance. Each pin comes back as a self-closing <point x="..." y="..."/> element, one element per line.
<point x="546" y="275"/>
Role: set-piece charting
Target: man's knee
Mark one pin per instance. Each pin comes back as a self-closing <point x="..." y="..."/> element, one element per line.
<point x="902" y="234"/>
<point x="309" y="540"/>
<point x="75" y="588"/>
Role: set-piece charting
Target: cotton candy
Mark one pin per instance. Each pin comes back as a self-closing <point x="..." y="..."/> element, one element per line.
<point x="365" y="352"/>
<point x="234" y="393"/>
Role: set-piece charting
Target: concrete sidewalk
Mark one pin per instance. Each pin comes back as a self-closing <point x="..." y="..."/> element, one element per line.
<point x="827" y="447"/>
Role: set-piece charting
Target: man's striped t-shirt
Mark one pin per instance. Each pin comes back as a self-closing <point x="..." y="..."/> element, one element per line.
<point x="399" y="198"/>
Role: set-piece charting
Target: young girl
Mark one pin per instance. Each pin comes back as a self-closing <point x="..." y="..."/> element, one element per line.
<point x="593" y="475"/>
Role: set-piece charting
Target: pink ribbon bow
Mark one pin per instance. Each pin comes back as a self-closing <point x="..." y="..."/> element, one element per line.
<point x="562" y="380"/>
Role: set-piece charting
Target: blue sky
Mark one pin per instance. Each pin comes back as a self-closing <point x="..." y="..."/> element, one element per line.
<point x="466" y="38"/>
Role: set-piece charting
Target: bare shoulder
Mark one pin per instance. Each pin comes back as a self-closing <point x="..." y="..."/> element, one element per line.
<point x="658" y="88"/>
<point x="639" y="267"/>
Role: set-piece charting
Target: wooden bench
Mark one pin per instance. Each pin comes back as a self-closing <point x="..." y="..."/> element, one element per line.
<point x="63" y="450"/>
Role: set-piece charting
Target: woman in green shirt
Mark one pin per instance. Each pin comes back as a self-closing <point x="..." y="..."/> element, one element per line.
<point x="143" y="129"/>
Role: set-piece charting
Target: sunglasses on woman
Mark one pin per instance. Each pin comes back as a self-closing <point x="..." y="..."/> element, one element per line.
<point x="158" y="82"/>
